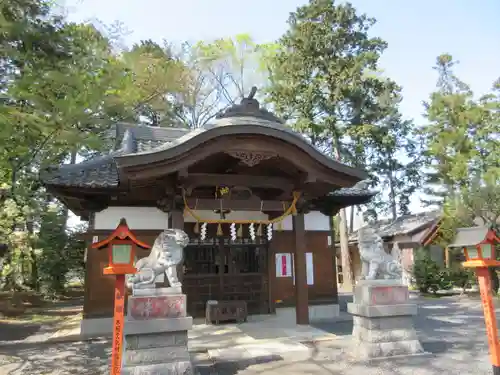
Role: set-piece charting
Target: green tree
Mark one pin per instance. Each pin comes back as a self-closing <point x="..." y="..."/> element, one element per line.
<point x="321" y="82"/>
<point x="428" y="276"/>
<point x="220" y="72"/>
<point x="61" y="88"/>
<point x="462" y="154"/>
<point x="156" y="78"/>
<point x="449" y="135"/>
<point x="394" y="162"/>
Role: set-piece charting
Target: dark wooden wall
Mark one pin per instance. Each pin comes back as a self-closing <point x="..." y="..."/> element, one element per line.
<point x="99" y="296"/>
<point x="325" y="286"/>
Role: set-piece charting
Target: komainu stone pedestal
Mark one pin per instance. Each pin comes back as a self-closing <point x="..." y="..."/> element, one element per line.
<point x="383" y="320"/>
<point x="156" y="334"/>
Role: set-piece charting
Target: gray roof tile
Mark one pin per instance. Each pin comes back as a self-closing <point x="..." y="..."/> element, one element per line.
<point x="102" y="171"/>
<point x="97" y="172"/>
<point x="402" y="225"/>
<point x="469" y="236"/>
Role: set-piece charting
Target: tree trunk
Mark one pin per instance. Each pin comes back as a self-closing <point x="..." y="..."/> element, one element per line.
<point x="351" y="219"/>
<point x="347" y="272"/>
<point x="392" y="198"/>
<point x="71" y="161"/>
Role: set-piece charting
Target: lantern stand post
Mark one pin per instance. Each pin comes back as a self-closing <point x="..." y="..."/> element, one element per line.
<point x="481" y="256"/>
<point x="490" y="319"/>
<point x="121" y="245"/>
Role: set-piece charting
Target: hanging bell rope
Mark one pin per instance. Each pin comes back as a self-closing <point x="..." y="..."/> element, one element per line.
<point x="280" y="224"/>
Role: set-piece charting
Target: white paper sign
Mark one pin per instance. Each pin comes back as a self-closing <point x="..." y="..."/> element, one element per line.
<point x="283" y="265"/>
<point x="309" y="269"/>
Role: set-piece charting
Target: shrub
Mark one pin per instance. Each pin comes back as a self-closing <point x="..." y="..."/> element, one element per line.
<point x="428" y="275"/>
<point x="462" y="277"/>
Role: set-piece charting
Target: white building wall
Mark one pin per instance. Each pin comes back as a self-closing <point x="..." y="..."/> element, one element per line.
<point x="146" y="218"/>
<point x="138" y="218"/>
<point x="313" y="221"/>
<point x="234" y="215"/>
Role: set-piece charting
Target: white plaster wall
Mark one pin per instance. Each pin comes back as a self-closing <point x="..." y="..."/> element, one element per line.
<point x="313" y="221"/>
<point x="138" y="218"/>
<point x="234" y="215"/>
<point x="152" y="218"/>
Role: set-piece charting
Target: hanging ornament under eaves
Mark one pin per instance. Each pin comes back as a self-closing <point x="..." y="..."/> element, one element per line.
<point x="251" y="229"/>
<point x="203" y="233"/>
<point x="269" y="231"/>
<point x="232" y="230"/>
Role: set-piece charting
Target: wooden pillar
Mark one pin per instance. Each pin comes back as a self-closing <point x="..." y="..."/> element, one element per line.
<point x="301" y="292"/>
<point x="89" y="265"/>
<point x="177" y="219"/>
<point x="177" y="222"/>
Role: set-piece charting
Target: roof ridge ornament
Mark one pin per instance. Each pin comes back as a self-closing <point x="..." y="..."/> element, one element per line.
<point x="249" y="107"/>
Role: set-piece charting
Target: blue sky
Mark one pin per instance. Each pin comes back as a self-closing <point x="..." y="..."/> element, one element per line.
<point x="417" y="32"/>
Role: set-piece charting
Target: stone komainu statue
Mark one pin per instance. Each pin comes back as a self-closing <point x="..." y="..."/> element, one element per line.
<point x="166" y="254"/>
<point x="375" y="262"/>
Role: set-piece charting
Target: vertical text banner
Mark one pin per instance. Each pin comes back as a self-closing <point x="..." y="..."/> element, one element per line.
<point x="283" y="265"/>
<point x="118" y="321"/>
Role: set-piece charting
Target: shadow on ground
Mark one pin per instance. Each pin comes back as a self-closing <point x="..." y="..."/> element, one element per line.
<point x="235" y="367"/>
<point x="451" y="330"/>
<point x="17" y="331"/>
<point x="86" y="358"/>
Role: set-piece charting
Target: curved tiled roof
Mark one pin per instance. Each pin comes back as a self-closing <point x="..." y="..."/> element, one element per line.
<point x="141" y="145"/>
<point x="102" y="171"/>
<point x="241" y="124"/>
<point x="97" y="172"/>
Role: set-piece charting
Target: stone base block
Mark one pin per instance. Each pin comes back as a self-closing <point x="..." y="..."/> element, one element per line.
<point x="174" y="368"/>
<point x="369" y="351"/>
<point x="316" y="312"/>
<point x="156" y="306"/>
<point x="157" y="353"/>
<point x="374" y="311"/>
<point x="391" y="333"/>
<point x="157" y="291"/>
<point x="156" y="340"/>
<point x="158" y="325"/>
<point x="383" y="321"/>
<point x="381" y="292"/>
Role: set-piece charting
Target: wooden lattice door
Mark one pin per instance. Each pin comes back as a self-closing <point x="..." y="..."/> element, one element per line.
<point x="247" y="275"/>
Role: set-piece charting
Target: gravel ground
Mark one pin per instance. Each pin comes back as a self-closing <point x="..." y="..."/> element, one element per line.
<point x="452" y="330"/>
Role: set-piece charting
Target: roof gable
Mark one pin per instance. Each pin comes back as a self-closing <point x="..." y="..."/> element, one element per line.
<point x="406" y="224"/>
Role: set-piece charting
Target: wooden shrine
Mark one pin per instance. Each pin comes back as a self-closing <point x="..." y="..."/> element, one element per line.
<point x="247" y="162"/>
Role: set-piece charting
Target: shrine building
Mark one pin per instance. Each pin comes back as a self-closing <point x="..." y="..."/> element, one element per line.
<point x="255" y="198"/>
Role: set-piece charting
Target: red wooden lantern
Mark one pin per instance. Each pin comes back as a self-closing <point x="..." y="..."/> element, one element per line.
<point x="121" y="246"/>
<point x="478" y="245"/>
